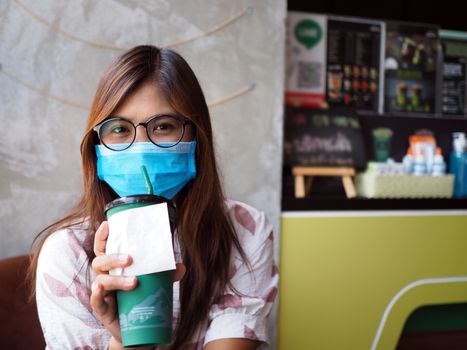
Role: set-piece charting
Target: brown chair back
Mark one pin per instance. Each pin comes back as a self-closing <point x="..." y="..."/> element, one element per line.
<point x="19" y="322"/>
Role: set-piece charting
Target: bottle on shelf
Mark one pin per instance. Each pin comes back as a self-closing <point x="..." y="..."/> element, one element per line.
<point x="457" y="164"/>
<point x="408" y="161"/>
<point x="419" y="166"/>
<point x="439" y="165"/>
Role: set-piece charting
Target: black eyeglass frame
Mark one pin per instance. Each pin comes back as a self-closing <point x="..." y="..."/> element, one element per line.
<point x="181" y="119"/>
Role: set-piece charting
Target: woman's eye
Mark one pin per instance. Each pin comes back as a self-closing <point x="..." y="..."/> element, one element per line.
<point x="119" y="130"/>
<point x="163" y="127"/>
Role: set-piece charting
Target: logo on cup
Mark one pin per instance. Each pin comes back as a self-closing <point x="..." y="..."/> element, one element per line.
<point x="151" y="312"/>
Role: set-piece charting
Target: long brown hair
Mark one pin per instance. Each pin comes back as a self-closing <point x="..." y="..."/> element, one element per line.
<point x="206" y="234"/>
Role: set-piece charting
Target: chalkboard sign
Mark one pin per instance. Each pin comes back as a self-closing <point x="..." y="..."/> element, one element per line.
<point x="322" y="138"/>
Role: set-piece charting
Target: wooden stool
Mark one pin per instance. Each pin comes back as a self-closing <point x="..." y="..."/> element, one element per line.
<point x="304" y="178"/>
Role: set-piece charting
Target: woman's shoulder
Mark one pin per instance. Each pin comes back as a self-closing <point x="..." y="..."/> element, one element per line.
<point x="66" y="243"/>
<point x="250" y="223"/>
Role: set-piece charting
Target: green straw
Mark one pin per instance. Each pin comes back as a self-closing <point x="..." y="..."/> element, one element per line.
<point x="146" y="180"/>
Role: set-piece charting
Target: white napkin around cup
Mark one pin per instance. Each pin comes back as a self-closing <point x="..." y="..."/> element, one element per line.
<point x="144" y="234"/>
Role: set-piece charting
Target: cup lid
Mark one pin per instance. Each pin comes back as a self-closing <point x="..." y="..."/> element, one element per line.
<point x="138" y="198"/>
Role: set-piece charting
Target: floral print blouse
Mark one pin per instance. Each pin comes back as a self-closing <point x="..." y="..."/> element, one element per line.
<point x="63" y="288"/>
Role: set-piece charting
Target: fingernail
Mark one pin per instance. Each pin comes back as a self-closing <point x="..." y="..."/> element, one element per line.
<point x="94" y="286"/>
<point x="129" y="280"/>
<point x="123" y="258"/>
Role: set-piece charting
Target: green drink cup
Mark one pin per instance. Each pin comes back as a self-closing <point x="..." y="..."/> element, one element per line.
<point x="382" y="143"/>
<point x="145" y="313"/>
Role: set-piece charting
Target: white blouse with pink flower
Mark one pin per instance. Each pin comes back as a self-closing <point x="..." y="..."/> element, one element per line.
<point x="64" y="279"/>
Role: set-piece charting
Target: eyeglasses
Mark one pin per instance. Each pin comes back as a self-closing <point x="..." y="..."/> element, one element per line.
<point x="163" y="130"/>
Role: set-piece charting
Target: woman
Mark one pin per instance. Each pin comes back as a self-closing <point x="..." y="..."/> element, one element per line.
<point x="150" y="100"/>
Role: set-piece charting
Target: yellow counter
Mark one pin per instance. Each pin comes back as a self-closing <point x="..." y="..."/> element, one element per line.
<point x="349" y="280"/>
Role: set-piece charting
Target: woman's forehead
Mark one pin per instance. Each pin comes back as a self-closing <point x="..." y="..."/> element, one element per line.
<point x="145" y="101"/>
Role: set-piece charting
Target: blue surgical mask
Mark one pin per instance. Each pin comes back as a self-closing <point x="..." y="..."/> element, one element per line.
<point x="169" y="169"/>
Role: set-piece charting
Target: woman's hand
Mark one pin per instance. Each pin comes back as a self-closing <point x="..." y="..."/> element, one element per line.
<point x="103" y="288"/>
<point x="102" y="294"/>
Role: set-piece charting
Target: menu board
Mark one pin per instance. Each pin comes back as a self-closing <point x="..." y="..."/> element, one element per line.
<point x="453" y="90"/>
<point x="410" y="67"/>
<point x="305" y="60"/>
<point x="354" y="55"/>
<point x="322" y="138"/>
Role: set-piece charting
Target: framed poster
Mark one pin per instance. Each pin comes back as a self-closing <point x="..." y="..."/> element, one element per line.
<point x="354" y="60"/>
<point x="454" y="45"/>
<point x="305" y="60"/>
<point x="410" y="65"/>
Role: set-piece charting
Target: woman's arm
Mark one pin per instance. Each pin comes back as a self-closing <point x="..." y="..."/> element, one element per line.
<point x="116" y="345"/>
<point x="62" y="295"/>
<point x="239" y="317"/>
<point x="232" y="344"/>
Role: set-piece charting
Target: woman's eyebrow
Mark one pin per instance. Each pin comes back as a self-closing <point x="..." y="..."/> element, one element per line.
<point x="146" y="117"/>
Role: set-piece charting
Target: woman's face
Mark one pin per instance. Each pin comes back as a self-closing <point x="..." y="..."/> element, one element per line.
<point x="144" y="103"/>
